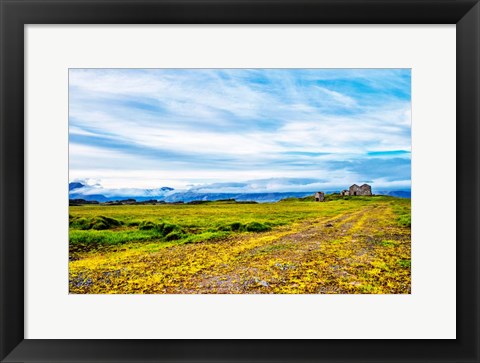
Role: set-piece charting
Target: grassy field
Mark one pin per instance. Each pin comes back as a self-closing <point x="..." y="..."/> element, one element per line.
<point x="343" y="245"/>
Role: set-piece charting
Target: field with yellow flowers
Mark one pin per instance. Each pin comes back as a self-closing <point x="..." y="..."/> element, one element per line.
<point x="345" y="245"/>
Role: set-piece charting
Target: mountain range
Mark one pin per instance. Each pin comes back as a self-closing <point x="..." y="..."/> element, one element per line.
<point x="78" y="190"/>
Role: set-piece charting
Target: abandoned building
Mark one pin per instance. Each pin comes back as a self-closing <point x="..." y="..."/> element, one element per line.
<point x="345" y="192"/>
<point x="365" y="189"/>
<point x="319" y="196"/>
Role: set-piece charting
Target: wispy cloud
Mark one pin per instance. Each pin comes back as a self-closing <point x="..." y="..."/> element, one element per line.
<point x="184" y="128"/>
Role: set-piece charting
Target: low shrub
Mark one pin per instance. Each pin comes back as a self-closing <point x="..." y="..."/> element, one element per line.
<point x="167" y="228"/>
<point x="174" y="236"/>
<point x="96" y="223"/>
<point x="80" y="223"/>
<point x="111" y="221"/>
<point x="240" y="227"/>
<point x="405" y="263"/>
<point x="405" y="220"/>
<point x="101" y="223"/>
<point x="257" y="227"/>
<point x="236" y="226"/>
<point x="147" y="226"/>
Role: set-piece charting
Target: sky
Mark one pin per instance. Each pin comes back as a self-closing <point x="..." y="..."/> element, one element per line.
<point x="240" y="130"/>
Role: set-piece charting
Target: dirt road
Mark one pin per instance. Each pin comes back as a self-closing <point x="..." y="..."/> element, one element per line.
<point x="358" y="252"/>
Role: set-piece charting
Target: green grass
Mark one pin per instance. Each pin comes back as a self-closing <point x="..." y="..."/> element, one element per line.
<point x="403" y="211"/>
<point x="405" y="263"/>
<point x="93" y="225"/>
<point x="344" y="245"/>
<point x="109" y="237"/>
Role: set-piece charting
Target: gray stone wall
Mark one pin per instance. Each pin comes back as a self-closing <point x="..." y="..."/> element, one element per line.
<point x="320" y="196"/>
<point x="365" y="189"/>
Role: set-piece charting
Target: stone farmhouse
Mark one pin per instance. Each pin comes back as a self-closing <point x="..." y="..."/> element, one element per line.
<point x="319" y="196"/>
<point x="365" y="189"/>
<point x="354" y="190"/>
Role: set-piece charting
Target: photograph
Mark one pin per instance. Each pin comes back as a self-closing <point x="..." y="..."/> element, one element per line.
<point x="239" y="180"/>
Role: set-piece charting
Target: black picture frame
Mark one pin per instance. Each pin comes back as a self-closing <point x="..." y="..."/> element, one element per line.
<point x="17" y="13"/>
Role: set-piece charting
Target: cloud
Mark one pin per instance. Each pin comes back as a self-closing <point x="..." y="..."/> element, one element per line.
<point x="145" y="128"/>
<point x="261" y="186"/>
<point x="386" y="170"/>
<point x="342" y="99"/>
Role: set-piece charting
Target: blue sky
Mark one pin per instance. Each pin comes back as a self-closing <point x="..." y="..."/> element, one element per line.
<point x="240" y="130"/>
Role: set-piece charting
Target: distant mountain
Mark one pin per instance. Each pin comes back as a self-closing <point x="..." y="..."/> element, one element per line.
<point x="396" y="193"/>
<point x="240" y="197"/>
<point x="75" y="185"/>
<point x="78" y="190"/>
<point x="192" y="196"/>
<point x="91" y="197"/>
